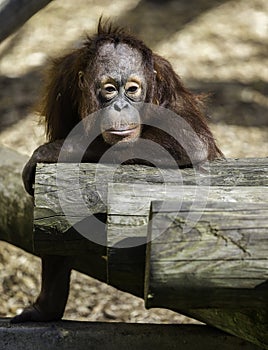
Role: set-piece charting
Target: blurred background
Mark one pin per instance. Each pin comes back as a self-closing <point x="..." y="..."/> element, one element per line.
<point x="216" y="46"/>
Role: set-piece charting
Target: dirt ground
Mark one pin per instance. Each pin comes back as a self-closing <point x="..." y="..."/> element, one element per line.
<point x="216" y="46"/>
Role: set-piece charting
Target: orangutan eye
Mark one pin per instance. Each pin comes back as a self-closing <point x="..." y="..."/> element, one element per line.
<point x="133" y="88"/>
<point x="108" y="91"/>
<point x="110" y="88"/>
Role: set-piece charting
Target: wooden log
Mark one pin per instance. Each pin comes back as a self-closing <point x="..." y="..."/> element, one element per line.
<point x="219" y="262"/>
<point x="16" y="207"/>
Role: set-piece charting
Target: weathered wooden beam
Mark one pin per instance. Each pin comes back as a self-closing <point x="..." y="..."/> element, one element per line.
<point x="221" y="261"/>
<point x="81" y="190"/>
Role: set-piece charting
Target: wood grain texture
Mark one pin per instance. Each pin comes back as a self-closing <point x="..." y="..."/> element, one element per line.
<point x="219" y="261"/>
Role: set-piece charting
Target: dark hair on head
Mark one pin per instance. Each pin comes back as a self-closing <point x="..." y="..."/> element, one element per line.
<point x="107" y="32"/>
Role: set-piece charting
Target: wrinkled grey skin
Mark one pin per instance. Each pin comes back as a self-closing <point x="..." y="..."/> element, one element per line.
<point x="128" y="62"/>
<point x="121" y="112"/>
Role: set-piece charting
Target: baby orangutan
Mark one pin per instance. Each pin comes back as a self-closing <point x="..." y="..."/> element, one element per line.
<point x="117" y="73"/>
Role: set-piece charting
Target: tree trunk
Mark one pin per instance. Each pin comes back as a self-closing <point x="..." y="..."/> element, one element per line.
<point x="14" y="13"/>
